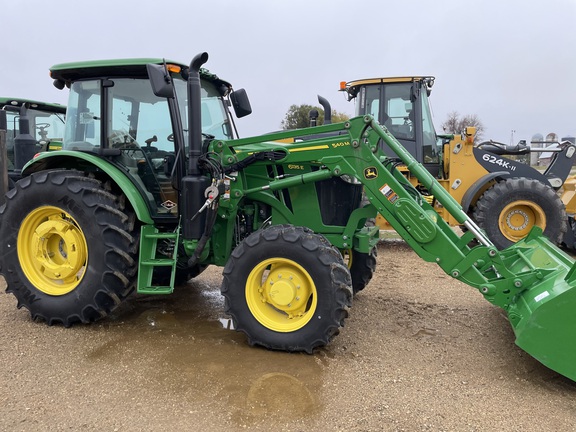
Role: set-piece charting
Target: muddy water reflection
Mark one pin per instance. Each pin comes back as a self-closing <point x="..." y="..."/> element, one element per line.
<point x="183" y="345"/>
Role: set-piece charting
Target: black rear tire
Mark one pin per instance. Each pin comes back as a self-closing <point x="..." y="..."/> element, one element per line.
<point x="287" y="289"/>
<point x="509" y="209"/>
<point x="69" y="249"/>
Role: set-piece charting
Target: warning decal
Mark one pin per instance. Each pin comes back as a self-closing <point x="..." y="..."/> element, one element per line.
<point x="389" y="193"/>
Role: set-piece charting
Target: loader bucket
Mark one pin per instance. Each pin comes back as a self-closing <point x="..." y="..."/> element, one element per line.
<point x="544" y="315"/>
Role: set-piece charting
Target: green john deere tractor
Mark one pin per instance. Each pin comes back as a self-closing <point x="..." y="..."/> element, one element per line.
<point x="149" y="189"/>
<point x="32" y="127"/>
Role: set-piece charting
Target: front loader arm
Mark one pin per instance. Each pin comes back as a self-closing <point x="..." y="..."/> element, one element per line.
<point x="533" y="280"/>
<point x="413" y="218"/>
<point x="351" y="149"/>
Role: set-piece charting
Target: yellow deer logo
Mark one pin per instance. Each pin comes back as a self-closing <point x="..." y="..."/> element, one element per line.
<point x="370" y="173"/>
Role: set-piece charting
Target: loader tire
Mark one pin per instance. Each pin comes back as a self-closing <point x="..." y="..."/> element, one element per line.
<point x="362" y="267"/>
<point x="509" y="209"/>
<point x="69" y="248"/>
<point x="569" y="239"/>
<point x="287" y="289"/>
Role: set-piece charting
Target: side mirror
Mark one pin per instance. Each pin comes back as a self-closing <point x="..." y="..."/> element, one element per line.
<point x="240" y="103"/>
<point x="59" y="84"/>
<point x="160" y="81"/>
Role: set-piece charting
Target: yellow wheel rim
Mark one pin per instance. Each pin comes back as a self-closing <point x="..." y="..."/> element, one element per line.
<point x="281" y="295"/>
<point x="517" y="219"/>
<point x="52" y="250"/>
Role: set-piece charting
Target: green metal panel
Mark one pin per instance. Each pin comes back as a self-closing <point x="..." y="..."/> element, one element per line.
<point x="413" y="217"/>
<point x="71" y="159"/>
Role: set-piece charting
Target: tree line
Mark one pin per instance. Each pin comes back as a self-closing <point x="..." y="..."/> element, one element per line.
<point x="298" y="116"/>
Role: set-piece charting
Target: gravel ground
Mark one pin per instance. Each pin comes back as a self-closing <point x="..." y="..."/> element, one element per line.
<point x="419" y="352"/>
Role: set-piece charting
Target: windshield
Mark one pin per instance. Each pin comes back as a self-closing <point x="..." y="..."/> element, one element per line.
<point x="391" y="104"/>
<point x="430" y="143"/>
<point x="139" y="124"/>
<point x="138" y="113"/>
<point x="396" y="108"/>
<point x="46" y="127"/>
<point x="83" y="114"/>
<point x="215" y="116"/>
<point x="369" y="101"/>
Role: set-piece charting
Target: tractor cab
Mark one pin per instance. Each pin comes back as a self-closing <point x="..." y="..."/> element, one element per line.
<point x="400" y="104"/>
<point x="113" y="113"/>
<point x="32" y="127"/>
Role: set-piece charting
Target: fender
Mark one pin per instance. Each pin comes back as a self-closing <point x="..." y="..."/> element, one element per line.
<point x="495" y="163"/>
<point x="478" y="185"/>
<point x="80" y="160"/>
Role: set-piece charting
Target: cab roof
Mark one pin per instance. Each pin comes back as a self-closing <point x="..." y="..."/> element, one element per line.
<point x="351" y="87"/>
<point x="127" y="68"/>
<point x="42" y="106"/>
<point x="387" y="80"/>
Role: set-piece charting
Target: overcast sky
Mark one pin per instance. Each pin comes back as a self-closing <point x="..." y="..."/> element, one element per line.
<point x="511" y="62"/>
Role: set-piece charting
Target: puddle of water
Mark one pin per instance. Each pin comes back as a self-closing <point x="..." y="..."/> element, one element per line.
<point x="183" y="343"/>
<point x="279" y="392"/>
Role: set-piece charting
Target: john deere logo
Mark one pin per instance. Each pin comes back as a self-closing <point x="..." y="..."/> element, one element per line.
<point x="370" y="173"/>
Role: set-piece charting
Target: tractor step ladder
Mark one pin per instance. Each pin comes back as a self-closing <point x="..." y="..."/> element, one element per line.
<point x="149" y="236"/>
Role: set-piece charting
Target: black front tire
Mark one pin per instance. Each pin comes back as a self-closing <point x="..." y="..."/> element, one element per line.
<point x="509" y="209"/>
<point x="362" y="267"/>
<point x="69" y="247"/>
<point x="287" y="289"/>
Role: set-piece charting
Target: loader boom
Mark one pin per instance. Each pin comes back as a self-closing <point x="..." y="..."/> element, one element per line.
<point x="356" y="154"/>
<point x="521" y="279"/>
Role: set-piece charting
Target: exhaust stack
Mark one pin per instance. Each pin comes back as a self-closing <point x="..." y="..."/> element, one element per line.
<point x="194" y="113"/>
<point x="327" y="109"/>
<point x="194" y="183"/>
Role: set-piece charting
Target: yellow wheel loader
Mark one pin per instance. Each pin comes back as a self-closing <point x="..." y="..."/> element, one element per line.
<point x="503" y="196"/>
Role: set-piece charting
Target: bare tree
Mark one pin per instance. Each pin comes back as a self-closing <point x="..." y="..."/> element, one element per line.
<point x="455" y="123"/>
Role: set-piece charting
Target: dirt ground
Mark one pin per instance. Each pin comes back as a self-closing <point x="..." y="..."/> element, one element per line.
<point x="419" y="352"/>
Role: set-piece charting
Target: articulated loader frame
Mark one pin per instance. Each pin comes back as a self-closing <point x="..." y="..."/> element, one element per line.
<point x="531" y="280"/>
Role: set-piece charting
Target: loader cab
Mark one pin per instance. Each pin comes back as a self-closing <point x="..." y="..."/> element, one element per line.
<point x="43" y="131"/>
<point x="401" y="104"/>
<point x="114" y="113"/>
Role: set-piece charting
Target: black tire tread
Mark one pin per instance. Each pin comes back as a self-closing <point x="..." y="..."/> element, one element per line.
<point x="117" y="279"/>
<point x="362" y="269"/>
<point x="486" y="214"/>
<point x="327" y="257"/>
